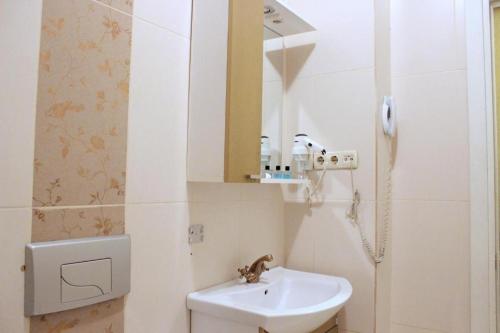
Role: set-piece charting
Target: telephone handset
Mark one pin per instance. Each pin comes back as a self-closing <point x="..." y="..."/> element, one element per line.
<point x="389" y="116"/>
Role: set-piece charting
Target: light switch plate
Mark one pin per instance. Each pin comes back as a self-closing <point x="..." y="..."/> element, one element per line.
<point x="336" y="160"/>
<point x="196" y="233"/>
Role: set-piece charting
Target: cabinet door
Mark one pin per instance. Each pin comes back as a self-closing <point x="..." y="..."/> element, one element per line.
<point x="225" y="102"/>
<point x="244" y="90"/>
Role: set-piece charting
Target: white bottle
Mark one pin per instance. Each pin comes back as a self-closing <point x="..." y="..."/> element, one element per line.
<point x="265" y="154"/>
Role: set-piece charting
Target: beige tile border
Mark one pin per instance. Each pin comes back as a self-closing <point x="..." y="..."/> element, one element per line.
<point x="126" y="6"/>
<point x="57" y="224"/>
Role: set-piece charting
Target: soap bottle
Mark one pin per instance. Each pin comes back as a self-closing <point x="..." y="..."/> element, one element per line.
<point x="264" y="171"/>
<point x="287" y="174"/>
<point x="267" y="172"/>
<point x="277" y="174"/>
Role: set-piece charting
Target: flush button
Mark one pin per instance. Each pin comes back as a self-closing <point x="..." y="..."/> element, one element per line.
<point x="73" y="273"/>
<point x="84" y="280"/>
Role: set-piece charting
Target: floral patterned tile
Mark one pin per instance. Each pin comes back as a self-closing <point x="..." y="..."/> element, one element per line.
<point x="81" y="125"/>
<point x="57" y="224"/>
<point x="124" y="5"/>
<point x="104" y="317"/>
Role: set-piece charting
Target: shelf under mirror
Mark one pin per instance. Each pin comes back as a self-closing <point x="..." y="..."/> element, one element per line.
<point x="293" y="181"/>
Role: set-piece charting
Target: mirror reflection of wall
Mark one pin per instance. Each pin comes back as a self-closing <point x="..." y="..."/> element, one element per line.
<point x="273" y="93"/>
<point x="495" y="21"/>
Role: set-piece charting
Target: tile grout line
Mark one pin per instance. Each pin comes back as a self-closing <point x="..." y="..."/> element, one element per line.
<point x="412" y="75"/>
<point x="133" y="16"/>
<point x="431" y="330"/>
<point x="342" y="71"/>
<point x="77" y="207"/>
<point x="433" y="200"/>
<point x="160" y="203"/>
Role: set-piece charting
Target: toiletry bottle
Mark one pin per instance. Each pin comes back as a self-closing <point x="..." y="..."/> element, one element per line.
<point x="287" y="174"/>
<point x="265" y="154"/>
<point x="277" y="174"/>
<point x="264" y="170"/>
<point x="267" y="172"/>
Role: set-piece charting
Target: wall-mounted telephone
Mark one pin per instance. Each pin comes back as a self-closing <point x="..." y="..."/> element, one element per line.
<point x="389" y="116"/>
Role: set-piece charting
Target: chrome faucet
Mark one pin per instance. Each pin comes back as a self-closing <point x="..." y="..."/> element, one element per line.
<point x="252" y="273"/>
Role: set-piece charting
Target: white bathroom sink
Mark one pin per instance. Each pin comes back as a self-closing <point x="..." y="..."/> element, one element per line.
<point x="283" y="301"/>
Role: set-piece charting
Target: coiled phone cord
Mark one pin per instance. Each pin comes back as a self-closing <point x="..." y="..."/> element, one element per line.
<point x="352" y="214"/>
<point x="311" y="192"/>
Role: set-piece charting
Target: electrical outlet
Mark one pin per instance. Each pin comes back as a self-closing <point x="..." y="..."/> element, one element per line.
<point x="336" y="160"/>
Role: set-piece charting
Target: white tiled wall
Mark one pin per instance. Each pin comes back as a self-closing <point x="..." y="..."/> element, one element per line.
<point x="172" y="15"/>
<point x="323" y="241"/>
<point x="157" y="131"/>
<point x="427" y="36"/>
<point x="165" y="268"/>
<point x="332" y="78"/>
<point x="19" y="42"/>
<point x="430" y="259"/>
<point x="16" y="232"/>
<point x="430" y="273"/>
<point x="346" y="37"/>
<point x="241" y="222"/>
<point x="430" y="267"/>
<point x="331" y="97"/>
<point x="161" y="272"/>
<point x="273" y="96"/>
<point x="432" y="150"/>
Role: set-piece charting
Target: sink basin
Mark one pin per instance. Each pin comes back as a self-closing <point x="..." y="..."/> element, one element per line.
<point x="283" y="301"/>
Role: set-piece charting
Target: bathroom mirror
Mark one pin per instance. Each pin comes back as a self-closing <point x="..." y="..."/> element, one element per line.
<point x="273" y="85"/>
<point x="237" y="87"/>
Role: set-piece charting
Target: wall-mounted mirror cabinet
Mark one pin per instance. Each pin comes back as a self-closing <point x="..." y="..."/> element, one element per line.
<point x="237" y="87"/>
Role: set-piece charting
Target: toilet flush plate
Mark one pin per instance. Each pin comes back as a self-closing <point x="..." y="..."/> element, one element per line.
<point x="84" y="280"/>
<point x="69" y="274"/>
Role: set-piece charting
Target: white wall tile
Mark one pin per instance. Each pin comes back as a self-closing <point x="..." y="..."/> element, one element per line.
<point x="262" y="192"/>
<point x="430" y="275"/>
<point x="161" y="271"/>
<point x="19" y="42"/>
<point x="165" y="268"/>
<point x="339" y="251"/>
<point x="272" y="118"/>
<point x="432" y="157"/>
<point x="430" y="267"/>
<point x="156" y="166"/>
<point x="15" y="234"/>
<point x="207" y="90"/>
<point x="217" y="258"/>
<point x="274" y="60"/>
<point x="338" y="111"/>
<point x="174" y="15"/>
<point x="261" y="231"/>
<point x="332" y="51"/>
<point x="324" y="241"/>
<point x="214" y="192"/>
<point x="331" y="97"/>
<point x="232" y="192"/>
<point x="427" y="36"/>
<point x="396" y="328"/>
<point x="299" y="227"/>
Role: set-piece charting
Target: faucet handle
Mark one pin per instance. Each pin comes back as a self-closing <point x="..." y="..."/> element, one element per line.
<point x="243" y="271"/>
